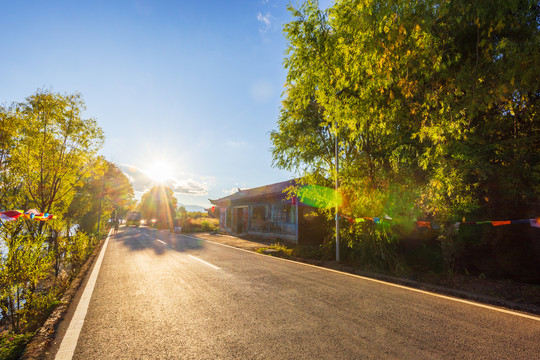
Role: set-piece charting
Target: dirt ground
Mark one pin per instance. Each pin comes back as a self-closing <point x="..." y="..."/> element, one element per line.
<point x="506" y="293"/>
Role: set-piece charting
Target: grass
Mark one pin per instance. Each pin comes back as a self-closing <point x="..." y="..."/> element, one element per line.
<point x="281" y="250"/>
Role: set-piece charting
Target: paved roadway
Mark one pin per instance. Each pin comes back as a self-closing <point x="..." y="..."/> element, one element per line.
<point x="175" y="297"/>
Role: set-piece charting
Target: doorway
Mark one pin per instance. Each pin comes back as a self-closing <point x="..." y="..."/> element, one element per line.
<point x="240" y="215"/>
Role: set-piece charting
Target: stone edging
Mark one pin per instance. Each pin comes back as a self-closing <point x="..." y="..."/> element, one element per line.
<point x="35" y="350"/>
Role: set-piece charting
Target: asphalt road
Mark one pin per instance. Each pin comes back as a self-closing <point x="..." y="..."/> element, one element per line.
<point x="176" y="297"/>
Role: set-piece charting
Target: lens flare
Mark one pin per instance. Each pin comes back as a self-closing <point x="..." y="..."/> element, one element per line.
<point x="319" y="196"/>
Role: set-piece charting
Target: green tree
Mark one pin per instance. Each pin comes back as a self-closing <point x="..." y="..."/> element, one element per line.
<point x="10" y="183"/>
<point x="56" y="150"/>
<point x="107" y="185"/>
<point x="23" y="264"/>
<point x="434" y="104"/>
<point x="181" y="215"/>
<point x="436" y="98"/>
<point x="48" y="161"/>
<point x="159" y="204"/>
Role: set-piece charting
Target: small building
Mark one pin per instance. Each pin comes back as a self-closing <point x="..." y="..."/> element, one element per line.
<point x="267" y="212"/>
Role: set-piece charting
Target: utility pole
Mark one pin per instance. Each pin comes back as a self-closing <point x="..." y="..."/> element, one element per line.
<point x="336" y="195"/>
<point x="100" y="197"/>
<point x="338" y="93"/>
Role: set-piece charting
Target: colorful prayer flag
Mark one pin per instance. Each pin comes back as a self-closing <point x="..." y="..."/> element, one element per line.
<point x="423" y="224"/>
<point x="526" y="221"/>
<point x="12" y="214"/>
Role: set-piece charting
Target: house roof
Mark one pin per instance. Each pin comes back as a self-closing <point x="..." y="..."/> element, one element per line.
<point x="272" y="190"/>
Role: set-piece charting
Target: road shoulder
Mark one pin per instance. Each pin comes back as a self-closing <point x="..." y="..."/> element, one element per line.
<point x="469" y="288"/>
<point x="45" y="336"/>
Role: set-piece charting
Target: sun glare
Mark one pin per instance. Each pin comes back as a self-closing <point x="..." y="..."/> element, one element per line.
<point x="160" y="172"/>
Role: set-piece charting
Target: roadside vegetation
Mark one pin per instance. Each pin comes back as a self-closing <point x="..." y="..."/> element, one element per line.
<point x="159" y="209"/>
<point x="199" y="222"/>
<point x="49" y="163"/>
<point x="435" y="108"/>
<point x="191" y="222"/>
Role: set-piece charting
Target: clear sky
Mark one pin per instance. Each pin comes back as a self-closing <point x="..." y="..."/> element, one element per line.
<point x="187" y="90"/>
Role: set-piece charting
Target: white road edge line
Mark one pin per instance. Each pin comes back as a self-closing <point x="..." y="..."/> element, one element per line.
<point x="69" y="342"/>
<point x="204" y="262"/>
<point x="511" y="312"/>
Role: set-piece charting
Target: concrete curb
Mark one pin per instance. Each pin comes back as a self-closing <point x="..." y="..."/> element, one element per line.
<point x="35" y="350"/>
<point x="462" y="294"/>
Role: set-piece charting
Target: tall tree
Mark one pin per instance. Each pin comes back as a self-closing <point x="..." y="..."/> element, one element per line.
<point x="107" y="187"/>
<point x="10" y="183"/>
<point x="434" y="99"/>
<point x="57" y="148"/>
<point x="159" y="204"/>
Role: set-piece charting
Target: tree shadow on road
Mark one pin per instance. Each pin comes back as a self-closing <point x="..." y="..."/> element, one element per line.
<point x="137" y="239"/>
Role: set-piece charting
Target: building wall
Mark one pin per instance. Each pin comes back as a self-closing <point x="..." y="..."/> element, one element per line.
<point x="265" y="219"/>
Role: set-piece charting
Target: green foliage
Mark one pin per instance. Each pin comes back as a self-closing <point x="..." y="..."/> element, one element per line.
<point x="159" y="204"/>
<point x="12" y="345"/>
<point x="281" y="250"/>
<point x="25" y="263"/>
<point x="106" y="188"/>
<point x="56" y="150"/>
<point x="80" y="247"/>
<point x="199" y="224"/>
<point x="48" y="161"/>
<point x="207" y="226"/>
<point x="434" y="105"/>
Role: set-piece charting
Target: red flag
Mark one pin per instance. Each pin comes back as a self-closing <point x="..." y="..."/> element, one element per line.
<point x="12" y="214"/>
<point x="423" y="224"/>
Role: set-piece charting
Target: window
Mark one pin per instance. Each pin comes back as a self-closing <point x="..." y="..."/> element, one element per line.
<point x="259" y="212"/>
<point x="284" y="214"/>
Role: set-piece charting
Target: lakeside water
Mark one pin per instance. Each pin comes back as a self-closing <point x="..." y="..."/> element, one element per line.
<point x="3" y="248"/>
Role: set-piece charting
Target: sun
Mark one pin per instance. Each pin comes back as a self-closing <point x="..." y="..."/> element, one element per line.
<point x="160" y="172"/>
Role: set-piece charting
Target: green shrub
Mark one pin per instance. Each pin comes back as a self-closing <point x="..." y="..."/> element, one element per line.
<point x="281" y="250"/>
<point x="12" y="345"/>
<point x="207" y="226"/>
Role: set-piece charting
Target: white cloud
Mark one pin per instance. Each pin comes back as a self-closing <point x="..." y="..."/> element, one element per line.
<point x="230" y="191"/>
<point x="190" y="187"/>
<point x="266" y="20"/>
<point x="235" y="144"/>
<point x="142" y="182"/>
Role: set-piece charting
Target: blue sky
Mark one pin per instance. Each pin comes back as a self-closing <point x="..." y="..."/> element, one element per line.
<point x="192" y="85"/>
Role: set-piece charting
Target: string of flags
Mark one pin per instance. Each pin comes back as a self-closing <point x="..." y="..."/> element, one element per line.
<point x="433" y="225"/>
<point x="31" y="214"/>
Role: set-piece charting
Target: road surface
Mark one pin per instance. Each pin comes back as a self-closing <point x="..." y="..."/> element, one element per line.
<point x="163" y="296"/>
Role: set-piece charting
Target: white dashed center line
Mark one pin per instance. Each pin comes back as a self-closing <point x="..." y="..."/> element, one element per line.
<point x="204" y="262"/>
<point x="193" y="257"/>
